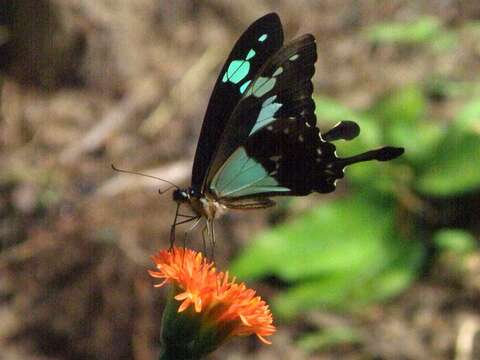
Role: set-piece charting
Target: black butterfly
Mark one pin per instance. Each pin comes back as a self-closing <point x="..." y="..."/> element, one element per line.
<point x="259" y="137"/>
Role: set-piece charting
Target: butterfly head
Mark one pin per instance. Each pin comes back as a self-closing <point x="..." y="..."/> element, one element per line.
<point x="186" y="195"/>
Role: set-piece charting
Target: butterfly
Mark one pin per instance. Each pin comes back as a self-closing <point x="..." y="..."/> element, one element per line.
<point x="259" y="137"/>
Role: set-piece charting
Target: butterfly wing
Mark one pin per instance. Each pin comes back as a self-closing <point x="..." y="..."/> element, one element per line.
<point x="257" y="44"/>
<point x="281" y="90"/>
<point x="271" y="145"/>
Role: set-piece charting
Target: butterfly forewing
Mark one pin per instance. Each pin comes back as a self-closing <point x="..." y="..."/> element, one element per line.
<point x="257" y="44"/>
<point x="274" y="118"/>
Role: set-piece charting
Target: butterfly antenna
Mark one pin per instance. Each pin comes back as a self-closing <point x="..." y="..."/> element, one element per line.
<point x="146" y="175"/>
<point x="383" y="154"/>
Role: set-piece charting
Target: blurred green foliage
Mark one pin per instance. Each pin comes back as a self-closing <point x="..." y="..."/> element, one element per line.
<point x="455" y="240"/>
<point x="325" y="338"/>
<point x="426" y="30"/>
<point x="421" y="30"/>
<point x="342" y="255"/>
<point x="371" y="244"/>
<point x="456" y="248"/>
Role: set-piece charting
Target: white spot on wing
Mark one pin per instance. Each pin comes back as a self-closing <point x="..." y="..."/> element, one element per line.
<point x="278" y="71"/>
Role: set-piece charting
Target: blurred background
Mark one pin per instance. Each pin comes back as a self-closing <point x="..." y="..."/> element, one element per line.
<point x="387" y="267"/>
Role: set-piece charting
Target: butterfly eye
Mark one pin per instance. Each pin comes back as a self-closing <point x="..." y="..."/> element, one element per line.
<point x="179" y="196"/>
<point x="194" y="193"/>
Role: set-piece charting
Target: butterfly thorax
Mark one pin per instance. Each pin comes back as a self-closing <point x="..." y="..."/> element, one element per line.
<point x="201" y="204"/>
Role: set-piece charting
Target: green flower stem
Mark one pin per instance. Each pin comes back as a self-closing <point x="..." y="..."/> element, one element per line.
<point x="189" y="335"/>
<point x="165" y="355"/>
<point x="169" y="354"/>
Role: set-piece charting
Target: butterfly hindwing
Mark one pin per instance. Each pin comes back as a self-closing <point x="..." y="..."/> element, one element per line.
<point x="247" y="160"/>
<point x="243" y="176"/>
<point x="257" y="44"/>
<point x="296" y="156"/>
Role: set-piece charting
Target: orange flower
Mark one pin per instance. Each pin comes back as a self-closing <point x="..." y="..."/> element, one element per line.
<point x="226" y="308"/>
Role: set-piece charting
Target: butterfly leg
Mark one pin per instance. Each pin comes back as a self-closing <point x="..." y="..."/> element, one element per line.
<point x="196" y="220"/>
<point x="193" y="218"/>
<point x="186" y="215"/>
<point x="172" y="228"/>
<point x="175" y="223"/>
<point x="213" y="240"/>
<point x="204" y="236"/>
<point x="211" y="235"/>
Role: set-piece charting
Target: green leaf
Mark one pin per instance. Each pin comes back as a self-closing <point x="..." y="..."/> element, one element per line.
<point x="469" y="117"/>
<point x="379" y="177"/>
<point x="341" y="255"/>
<point x="398" y="274"/>
<point x="453" y="169"/>
<point x="330" y="292"/>
<point x="420" y="31"/>
<point x="337" y="236"/>
<point x="405" y="106"/>
<point x="331" y="110"/>
<point x="329" y="337"/>
<point x="381" y="279"/>
<point x="402" y="115"/>
<point x="420" y="139"/>
<point x="455" y="240"/>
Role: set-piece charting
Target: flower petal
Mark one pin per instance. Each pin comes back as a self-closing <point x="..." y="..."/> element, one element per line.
<point x="221" y="301"/>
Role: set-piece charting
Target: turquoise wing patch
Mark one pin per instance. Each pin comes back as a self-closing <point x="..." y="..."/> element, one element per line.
<point x="267" y="113"/>
<point x="237" y="70"/>
<point x="241" y="176"/>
